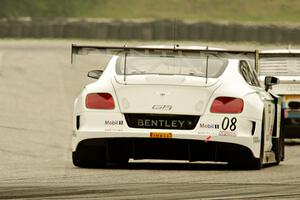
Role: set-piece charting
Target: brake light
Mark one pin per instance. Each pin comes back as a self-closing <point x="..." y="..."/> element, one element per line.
<point x="227" y="105"/>
<point x="99" y="101"/>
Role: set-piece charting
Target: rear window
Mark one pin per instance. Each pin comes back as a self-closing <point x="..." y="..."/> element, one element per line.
<point x="171" y="65"/>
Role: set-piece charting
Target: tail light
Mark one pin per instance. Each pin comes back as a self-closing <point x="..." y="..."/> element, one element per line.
<point x="227" y="105"/>
<point x="99" y="101"/>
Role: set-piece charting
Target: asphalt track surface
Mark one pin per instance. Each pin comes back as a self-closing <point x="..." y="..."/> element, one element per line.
<point x="37" y="89"/>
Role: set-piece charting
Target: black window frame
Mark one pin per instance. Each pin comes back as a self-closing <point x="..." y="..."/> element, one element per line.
<point x="248" y="73"/>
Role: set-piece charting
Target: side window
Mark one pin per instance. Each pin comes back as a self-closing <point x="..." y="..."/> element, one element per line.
<point x="255" y="78"/>
<point x="244" y="69"/>
<point x="248" y="74"/>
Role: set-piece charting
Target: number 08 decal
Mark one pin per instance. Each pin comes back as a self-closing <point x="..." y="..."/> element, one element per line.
<point x="229" y="123"/>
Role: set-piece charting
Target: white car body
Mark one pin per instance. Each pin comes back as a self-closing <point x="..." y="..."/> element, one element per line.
<point x="170" y="116"/>
<point x="285" y="65"/>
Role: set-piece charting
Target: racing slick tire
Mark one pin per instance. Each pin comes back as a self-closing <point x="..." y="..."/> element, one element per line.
<point x="89" y="157"/>
<point x="279" y="143"/>
<point x="282" y="136"/>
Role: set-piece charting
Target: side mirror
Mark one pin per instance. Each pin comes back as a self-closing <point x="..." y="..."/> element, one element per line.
<point x="95" y="73"/>
<point x="270" y="81"/>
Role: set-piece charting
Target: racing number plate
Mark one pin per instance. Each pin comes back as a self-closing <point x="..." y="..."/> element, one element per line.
<point x="160" y="135"/>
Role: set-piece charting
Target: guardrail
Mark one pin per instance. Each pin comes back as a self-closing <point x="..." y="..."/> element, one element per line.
<point x="147" y="30"/>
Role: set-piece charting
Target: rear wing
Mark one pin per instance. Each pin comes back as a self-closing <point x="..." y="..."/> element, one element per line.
<point x="161" y="51"/>
<point x="279" y="63"/>
<point x="165" y="52"/>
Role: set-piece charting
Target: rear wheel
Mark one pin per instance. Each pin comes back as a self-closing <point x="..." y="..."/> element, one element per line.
<point x="279" y="142"/>
<point x="89" y="156"/>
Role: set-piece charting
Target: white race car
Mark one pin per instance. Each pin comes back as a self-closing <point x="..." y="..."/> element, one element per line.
<point x="285" y="65"/>
<point x="176" y="103"/>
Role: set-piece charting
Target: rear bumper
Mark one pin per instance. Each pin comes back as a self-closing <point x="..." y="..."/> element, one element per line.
<point x="245" y="134"/>
<point x="192" y="147"/>
<point x="169" y="149"/>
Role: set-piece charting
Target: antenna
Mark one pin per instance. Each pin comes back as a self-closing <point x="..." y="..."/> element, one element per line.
<point x="125" y="63"/>
<point x="256" y="61"/>
<point x="206" y="70"/>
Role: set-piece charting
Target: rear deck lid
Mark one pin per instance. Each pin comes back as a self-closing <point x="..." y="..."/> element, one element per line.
<point x="166" y="84"/>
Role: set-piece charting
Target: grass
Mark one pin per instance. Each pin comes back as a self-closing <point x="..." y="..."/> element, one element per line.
<point x="252" y="11"/>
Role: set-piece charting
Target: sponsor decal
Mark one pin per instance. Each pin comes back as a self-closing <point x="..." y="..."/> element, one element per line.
<point x="160" y="135"/>
<point x="161" y="107"/>
<point x="227" y="133"/>
<point x="212" y="126"/>
<point x="113" y="125"/>
<point x="208" y="138"/>
<point x="162" y="123"/>
<point x="208" y="132"/>
<point x="113" y="122"/>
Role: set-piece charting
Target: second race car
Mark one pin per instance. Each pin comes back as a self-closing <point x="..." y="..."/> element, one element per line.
<point x="285" y="64"/>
